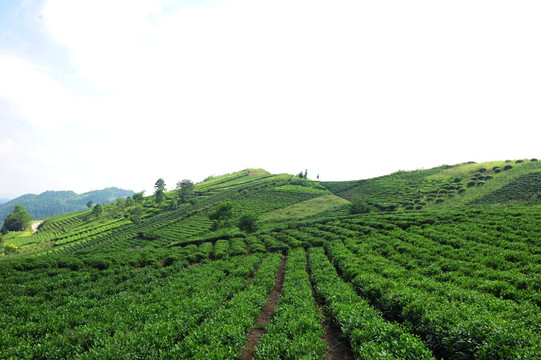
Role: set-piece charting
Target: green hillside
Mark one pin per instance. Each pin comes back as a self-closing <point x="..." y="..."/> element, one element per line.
<point x="52" y="203"/>
<point x="441" y="263"/>
<point x="446" y="186"/>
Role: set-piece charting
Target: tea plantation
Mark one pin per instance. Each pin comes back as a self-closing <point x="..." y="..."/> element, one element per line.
<point x="443" y="263"/>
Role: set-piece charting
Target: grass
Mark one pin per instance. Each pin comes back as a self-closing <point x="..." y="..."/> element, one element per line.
<point x="500" y="180"/>
<point x="306" y="209"/>
<point x="463" y="170"/>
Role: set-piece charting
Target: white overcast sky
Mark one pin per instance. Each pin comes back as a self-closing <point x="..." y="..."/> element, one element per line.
<point x="99" y="93"/>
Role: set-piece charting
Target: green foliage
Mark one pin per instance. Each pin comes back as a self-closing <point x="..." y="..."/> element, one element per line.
<point x="370" y="336"/>
<point x="358" y="206"/>
<point x="295" y="330"/>
<point x="159" y="193"/>
<point x="139" y="196"/>
<point x="17" y="220"/>
<point x="11" y="249"/>
<point x="54" y="203"/>
<point x="185" y="190"/>
<point x="248" y="223"/>
<point x="135" y="214"/>
<point x="221" y="216"/>
<point x="524" y="188"/>
<point x="142" y="281"/>
<point x="98" y="210"/>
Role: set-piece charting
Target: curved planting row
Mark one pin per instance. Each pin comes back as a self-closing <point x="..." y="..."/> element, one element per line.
<point x="371" y="337"/>
<point x="455" y="323"/>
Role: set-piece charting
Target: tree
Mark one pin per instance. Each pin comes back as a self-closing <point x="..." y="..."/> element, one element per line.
<point x="184" y="190"/>
<point x="89" y="204"/>
<point x="120" y="203"/>
<point x="138" y="197"/>
<point x="248" y="222"/>
<point x="130" y="201"/>
<point x="97" y="211"/>
<point x="160" y="190"/>
<point x="135" y="214"/>
<point x="17" y="220"/>
<point x="160" y="184"/>
<point x="221" y="216"/>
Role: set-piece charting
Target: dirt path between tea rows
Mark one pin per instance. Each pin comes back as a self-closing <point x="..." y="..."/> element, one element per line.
<point x="260" y="325"/>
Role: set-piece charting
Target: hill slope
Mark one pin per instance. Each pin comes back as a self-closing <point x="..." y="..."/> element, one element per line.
<point x="446" y="186"/>
<point x="53" y="203"/>
<point x="440" y="268"/>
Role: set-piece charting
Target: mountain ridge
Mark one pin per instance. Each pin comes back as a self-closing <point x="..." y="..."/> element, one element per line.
<point x="52" y="203"/>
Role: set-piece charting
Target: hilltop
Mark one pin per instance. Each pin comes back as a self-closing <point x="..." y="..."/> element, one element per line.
<point x="426" y="264"/>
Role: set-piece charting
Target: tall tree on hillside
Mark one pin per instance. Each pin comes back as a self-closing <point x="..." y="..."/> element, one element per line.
<point x="221" y="216"/>
<point x="97" y="210"/>
<point x="139" y="196"/>
<point x="184" y="190"/>
<point x="17" y="220"/>
<point x="159" y="193"/>
<point x="89" y="204"/>
<point x="247" y="222"/>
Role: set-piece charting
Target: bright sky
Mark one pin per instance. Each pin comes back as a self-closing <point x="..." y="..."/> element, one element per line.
<point x="119" y="93"/>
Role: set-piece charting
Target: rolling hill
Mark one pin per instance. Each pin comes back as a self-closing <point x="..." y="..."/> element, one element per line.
<point x="53" y="203"/>
<point x="442" y="263"/>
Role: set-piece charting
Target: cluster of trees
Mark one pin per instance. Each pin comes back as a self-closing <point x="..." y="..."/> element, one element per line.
<point x="184" y="191"/>
<point x="222" y="216"/>
<point x="18" y="220"/>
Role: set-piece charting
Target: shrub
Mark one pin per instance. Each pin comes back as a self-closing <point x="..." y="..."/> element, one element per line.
<point x="519" y="161"/>
<point x="359" y="207"/>
<point x="471" y="183"/>
<point x="507" y="167"/>
<point x="248" y="223"/>
<point x="457" y="180"/>
<point x="480" y="183"/>
<point x="11" y="249"/>
<point x="482" y="170"/>
<point x="534" y="159"/>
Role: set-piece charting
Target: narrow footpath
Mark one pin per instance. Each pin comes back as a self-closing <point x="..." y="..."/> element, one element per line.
<point x="337" y="346"/>
<point x="260" y="325"/>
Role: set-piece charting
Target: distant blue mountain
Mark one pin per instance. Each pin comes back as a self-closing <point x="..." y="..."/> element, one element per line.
<point x="53" y="203"/>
